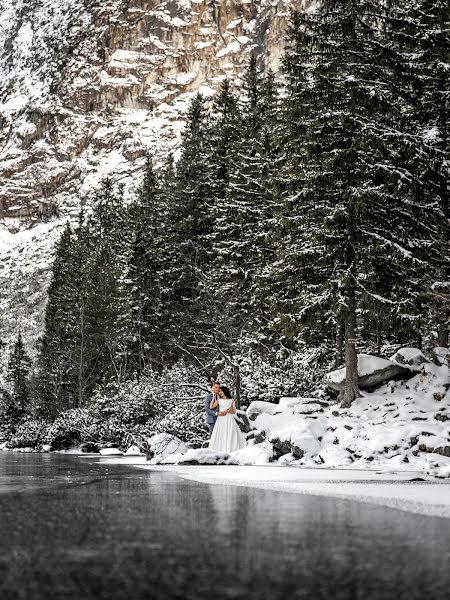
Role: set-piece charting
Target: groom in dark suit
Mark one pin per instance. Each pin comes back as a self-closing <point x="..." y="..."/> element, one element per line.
<point x="211" y="413"/>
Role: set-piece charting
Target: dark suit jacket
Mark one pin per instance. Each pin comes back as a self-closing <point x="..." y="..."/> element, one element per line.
<point x="210" y="413"/>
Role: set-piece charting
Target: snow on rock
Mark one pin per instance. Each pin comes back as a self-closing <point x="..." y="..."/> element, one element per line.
<point x="441" y="356"/>
<point x="164" y="444"/>
<point x="403" y="425"/>
<point x="411" y="358"/>
<point x="111" y="452"/>
<point x="291" y="433"/>
<point x="299" y="405"/>
<point x="254" y="454"/>
<point x="335" y="456"/>
<point x="133" y="451"/>
<point x="46" y="448"/>
<point x="201" y="456"/>
<point x="259" y="407"/>
<point x="372" y="371"/>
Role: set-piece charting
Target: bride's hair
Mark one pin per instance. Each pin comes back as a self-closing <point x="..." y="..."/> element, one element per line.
<point x="226" y="391"/>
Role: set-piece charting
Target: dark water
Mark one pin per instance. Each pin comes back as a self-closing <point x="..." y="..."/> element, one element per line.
<point x="74" y="529"/>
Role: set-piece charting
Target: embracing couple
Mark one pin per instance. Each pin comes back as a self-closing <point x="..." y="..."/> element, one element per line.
<point x="220" y="409"/>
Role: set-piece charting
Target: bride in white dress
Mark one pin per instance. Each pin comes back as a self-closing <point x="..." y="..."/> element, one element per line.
<point x="226" y="435"/>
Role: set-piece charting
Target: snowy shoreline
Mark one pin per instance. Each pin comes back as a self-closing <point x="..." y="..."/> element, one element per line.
<point x="392" y="490"/>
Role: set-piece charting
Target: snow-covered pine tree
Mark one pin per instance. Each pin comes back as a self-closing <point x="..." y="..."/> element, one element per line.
<point x="17" y="376"/>
<point x="106" y="306"/>
<point x="244" y="216"/>
<point x="223" y="135"/>
<point x="427" y="46"/>
<point x="186" y="248"/>
<point x="147" y="215"/>
<point x="350" y="206"/>
<point x="58" y="373"/>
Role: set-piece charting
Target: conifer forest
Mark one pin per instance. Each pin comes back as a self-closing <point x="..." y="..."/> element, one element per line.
<point x="304" y="219"/>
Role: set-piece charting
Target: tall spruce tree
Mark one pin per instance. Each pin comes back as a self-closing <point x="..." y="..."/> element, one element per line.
<point x="106" y="306"/>
<point x="350" y="208"/>
<point x="244" y="216"/>
<point x="58" y="376"/>
<point x="147" y="214"/>
<point x="187" y="241"/>
<point x="428" y="50"/>
<point x="18" y="373"/>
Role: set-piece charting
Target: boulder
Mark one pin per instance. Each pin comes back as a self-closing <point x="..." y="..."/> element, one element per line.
<point x="164" y="444"/>
<point x="259" y="407"/>
<point x="259" y="435"/>
<point x="242" y="421"/>
<point x="281" y="447"/>
<point x="46" y="448"/>
<point x="133" y="451"/>
<point x="441" y="356"/>
<point x="305" y="444"/>
<point x="443" y="450"/>
<point x="410" y="358"/>
<point x="299" y="405"/>
<point x="372" y="372"/>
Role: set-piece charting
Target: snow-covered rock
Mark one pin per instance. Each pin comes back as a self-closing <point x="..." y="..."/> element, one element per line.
<point x="402" y="425"/>
<point x="201" y="456"/>
<point x="441" y="356"/>
<point x="299" y="405"/>
<point x="290" y="433"/>
<point x="254" y="454"/>
<point x="164" y="444"/>
<point x="133" y="451"/>
<point x="372" y="371"/>
<point x="46" y="448"/>
<point x="411" y="358"/>
<point x="335" y="456"/>
<point x="258" y="407"/>
<point x="243" y="421"/>
<point x="111" y="452"/>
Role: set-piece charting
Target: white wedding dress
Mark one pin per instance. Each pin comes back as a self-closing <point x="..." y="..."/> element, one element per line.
<point x="226" y="435"/>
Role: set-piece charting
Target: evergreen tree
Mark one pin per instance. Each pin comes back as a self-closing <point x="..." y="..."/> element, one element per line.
<point x="427" y="43"/>
<point x="57" y="378"/>
<point x="105" y="311"/>
<point x="350" y="208"/>
<point x="187" y="240"/>
<point x="244" y="216"/>
<point x="19" y="366"/>
<point x="147" y="214"/>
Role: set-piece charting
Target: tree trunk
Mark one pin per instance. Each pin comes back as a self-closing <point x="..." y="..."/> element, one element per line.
<point x="442" y="326"/>
<point x="339" y="358"/>
<point x="237" y="380"/>
<point x="379" y="336"/>
<point x="443" y="310"/>
<point x="351" y="388"/>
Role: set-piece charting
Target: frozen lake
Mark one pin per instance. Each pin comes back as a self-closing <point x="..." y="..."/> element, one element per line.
<point x="75" y="529"/>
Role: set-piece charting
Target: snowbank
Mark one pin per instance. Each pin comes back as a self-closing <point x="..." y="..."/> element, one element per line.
<point x="164" y="444"/>
<point x="403" y="425"/>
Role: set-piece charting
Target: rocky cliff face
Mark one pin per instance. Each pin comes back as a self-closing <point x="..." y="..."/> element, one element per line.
<point x="86" y="89"/>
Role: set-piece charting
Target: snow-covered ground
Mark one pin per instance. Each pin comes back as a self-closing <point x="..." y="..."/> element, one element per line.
<point x="401" y="426"/>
